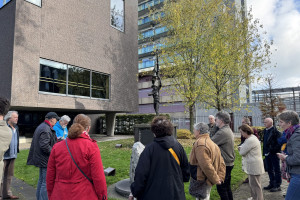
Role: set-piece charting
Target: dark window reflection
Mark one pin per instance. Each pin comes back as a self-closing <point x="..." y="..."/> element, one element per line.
<point x="100" y="85"/>
<point x="53" y="79"/>
<point x="79" y="81"/>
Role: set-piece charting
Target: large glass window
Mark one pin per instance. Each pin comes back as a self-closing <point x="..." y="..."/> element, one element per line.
<point x="66" y="79"/>
<point x="117" y="14"/>
<point x="53" y="76"/>
<point x="100" y="85"/>
<point x="79" y="81"/>
<point x="3" y="2"/>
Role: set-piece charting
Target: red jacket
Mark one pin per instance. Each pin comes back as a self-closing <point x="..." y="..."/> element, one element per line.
<point x="65" y="181"/>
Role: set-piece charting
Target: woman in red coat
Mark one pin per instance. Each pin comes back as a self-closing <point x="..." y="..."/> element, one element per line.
<point x="64" y="180"/>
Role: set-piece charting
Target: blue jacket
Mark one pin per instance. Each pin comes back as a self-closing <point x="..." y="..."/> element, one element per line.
<point x="60" y="131"/>
<point x="7" y="153"/>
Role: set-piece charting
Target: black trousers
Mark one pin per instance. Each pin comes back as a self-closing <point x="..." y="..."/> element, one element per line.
<point x="224" y="189"/>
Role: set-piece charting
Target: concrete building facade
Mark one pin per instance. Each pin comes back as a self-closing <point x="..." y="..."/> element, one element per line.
<point x="69" y="56"/>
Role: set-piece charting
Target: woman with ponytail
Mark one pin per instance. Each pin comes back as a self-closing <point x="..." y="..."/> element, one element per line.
<point x="75" y="169"/>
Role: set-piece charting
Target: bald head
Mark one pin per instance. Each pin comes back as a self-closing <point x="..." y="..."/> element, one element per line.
<point x="268" y="122"/>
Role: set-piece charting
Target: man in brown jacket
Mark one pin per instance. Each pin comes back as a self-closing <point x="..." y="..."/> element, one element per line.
<point x="207" y="156"/>
<point x="5" y="132"/>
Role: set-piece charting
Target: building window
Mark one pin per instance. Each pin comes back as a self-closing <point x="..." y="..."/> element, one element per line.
<point x="70" y="80"/>
<point x="3" y="2"/>
<point x="117" y="14"/>
<point x="35" y="2"/>
<point x="53" y="77"/>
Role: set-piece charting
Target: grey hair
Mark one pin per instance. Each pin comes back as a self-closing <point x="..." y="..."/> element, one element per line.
<point x="202" y="127"/>
<point x="8" y="115"/>
<point x="223" y="116"/>
<point x="65" y="118"/>
<point x="289" y="116"/>
<point x="211" y="116"/>
<point x="247" y="120"/>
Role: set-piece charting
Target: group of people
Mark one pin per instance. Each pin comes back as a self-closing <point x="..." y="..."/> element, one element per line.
<point x="165" y="161"/>
<point x="70" y="165"/>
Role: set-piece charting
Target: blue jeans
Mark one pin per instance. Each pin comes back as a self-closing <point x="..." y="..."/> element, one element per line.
<point x="293" y="189"/>
<point x="41" y="191"/>
<point x="274" y="170"/>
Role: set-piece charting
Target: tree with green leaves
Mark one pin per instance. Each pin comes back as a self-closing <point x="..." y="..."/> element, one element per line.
<point x="212" y="49"/>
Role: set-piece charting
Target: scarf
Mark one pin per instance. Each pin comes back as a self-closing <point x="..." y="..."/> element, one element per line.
<point x="289" y="131"/>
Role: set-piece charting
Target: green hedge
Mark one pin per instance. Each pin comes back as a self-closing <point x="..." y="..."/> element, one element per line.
<point x="124" y="123"/>
<point x="259" y="131"/>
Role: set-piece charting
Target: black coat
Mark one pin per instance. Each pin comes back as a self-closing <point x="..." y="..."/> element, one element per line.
<point x="158" y="175"/>
<point x="271" y="144"/>
<point x="44" y="138"/>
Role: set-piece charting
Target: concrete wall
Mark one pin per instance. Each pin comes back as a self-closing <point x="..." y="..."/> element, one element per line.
<point x="76" y="33"/>
<point x="7" y="27"/>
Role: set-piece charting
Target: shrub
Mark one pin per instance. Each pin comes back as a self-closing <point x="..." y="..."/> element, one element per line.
<point x="184" y="134"/>
<point x="259" y="131"/>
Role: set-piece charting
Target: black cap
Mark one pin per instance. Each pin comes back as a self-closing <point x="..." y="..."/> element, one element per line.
<point x="51" y="115"/>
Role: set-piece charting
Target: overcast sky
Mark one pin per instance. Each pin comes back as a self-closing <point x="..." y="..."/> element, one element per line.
<point x="281" y="20"/>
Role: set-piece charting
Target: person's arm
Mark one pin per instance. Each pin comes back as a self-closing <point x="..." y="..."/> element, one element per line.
<point x="97" y="172"/>
<point x="218" y="138"/>
<point x="51" y="173"/>
<point x="141" y="174"/>
<point x="205" y="163"/>
<point x="44" y="143"/>
<point x="246" y="147"/>
<point x="294" y="159"/>
<point x="184" y="165"/>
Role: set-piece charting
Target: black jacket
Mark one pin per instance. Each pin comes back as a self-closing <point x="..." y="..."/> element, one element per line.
<point x="271" y="144"/>
<point x="158" y="175"/>
<point x="7" y="153"/>
<point x="44" y="138"/>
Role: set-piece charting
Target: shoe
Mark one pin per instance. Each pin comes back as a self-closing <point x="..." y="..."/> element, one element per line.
<point x="250" y="198"/>
<point x="246" y="180"/>
<point x="11" y="197"/>
<point x="269" y="187"/>
<point x="275" y="189"/>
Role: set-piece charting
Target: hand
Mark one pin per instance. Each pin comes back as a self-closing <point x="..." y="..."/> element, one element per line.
<point x="130" y="197"/>
<point x="220" y="182"/>
<point x="281" y="156"/>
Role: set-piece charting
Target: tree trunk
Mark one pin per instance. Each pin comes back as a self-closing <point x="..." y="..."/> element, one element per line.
<point x="192" y="118"/>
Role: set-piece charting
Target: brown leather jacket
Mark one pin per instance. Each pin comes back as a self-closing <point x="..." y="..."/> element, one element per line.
<point x="207" y="156"/>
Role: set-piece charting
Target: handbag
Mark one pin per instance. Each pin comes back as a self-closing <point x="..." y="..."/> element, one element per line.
<point x="77" y="165"/>
<point x="198" y="189"/>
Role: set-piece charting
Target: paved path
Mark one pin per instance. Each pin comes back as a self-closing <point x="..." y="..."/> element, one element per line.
<point x="243" y="192"/>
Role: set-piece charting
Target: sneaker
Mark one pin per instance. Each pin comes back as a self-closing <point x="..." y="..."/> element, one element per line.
<point x="269" y="187"/>
<point x="250" y="198"/>
<point x="275" y="189"/>
<point x="246" y="180"/>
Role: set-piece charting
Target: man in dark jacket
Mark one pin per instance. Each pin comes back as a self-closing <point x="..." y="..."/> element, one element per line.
<point x="10" y="155"/>
<point x="44" y="138"/>
<point x="162" y="167"/>
<point x="270" y="148"/>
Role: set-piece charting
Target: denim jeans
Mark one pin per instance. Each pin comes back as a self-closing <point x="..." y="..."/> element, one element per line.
<point x="274" y="171"/>
<point x="293" y="189"/>
<point x="224" y="189"/>
<point x="41" y="191"/>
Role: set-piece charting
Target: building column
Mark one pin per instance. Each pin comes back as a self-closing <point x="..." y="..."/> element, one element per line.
<point x="110" y="123"/>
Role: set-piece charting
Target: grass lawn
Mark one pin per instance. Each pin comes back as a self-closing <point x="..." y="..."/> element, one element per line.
<point x="120" y="160"/>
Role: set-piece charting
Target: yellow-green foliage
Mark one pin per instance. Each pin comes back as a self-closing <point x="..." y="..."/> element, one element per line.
<point x="184" y="134"/>
<point x="259" y="131"/>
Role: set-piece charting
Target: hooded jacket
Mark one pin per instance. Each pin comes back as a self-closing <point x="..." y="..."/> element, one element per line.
<point x="158" y="175"/>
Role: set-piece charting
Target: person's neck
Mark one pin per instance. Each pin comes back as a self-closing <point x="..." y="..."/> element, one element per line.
<point x="1" y="117"/>
<point x="11" y="125"/>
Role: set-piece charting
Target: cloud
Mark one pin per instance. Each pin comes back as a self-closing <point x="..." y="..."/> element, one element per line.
<point x="281" y="20"/>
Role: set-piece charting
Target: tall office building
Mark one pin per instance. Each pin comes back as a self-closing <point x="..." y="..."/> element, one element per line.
<point x="69" y="56"/>
<point x="149" y="37"/>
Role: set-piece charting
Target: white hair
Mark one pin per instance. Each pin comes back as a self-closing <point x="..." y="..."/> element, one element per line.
<point x="211" y="116"/>
<point x="9" y="114"/>
<point x="65" y="118"/>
